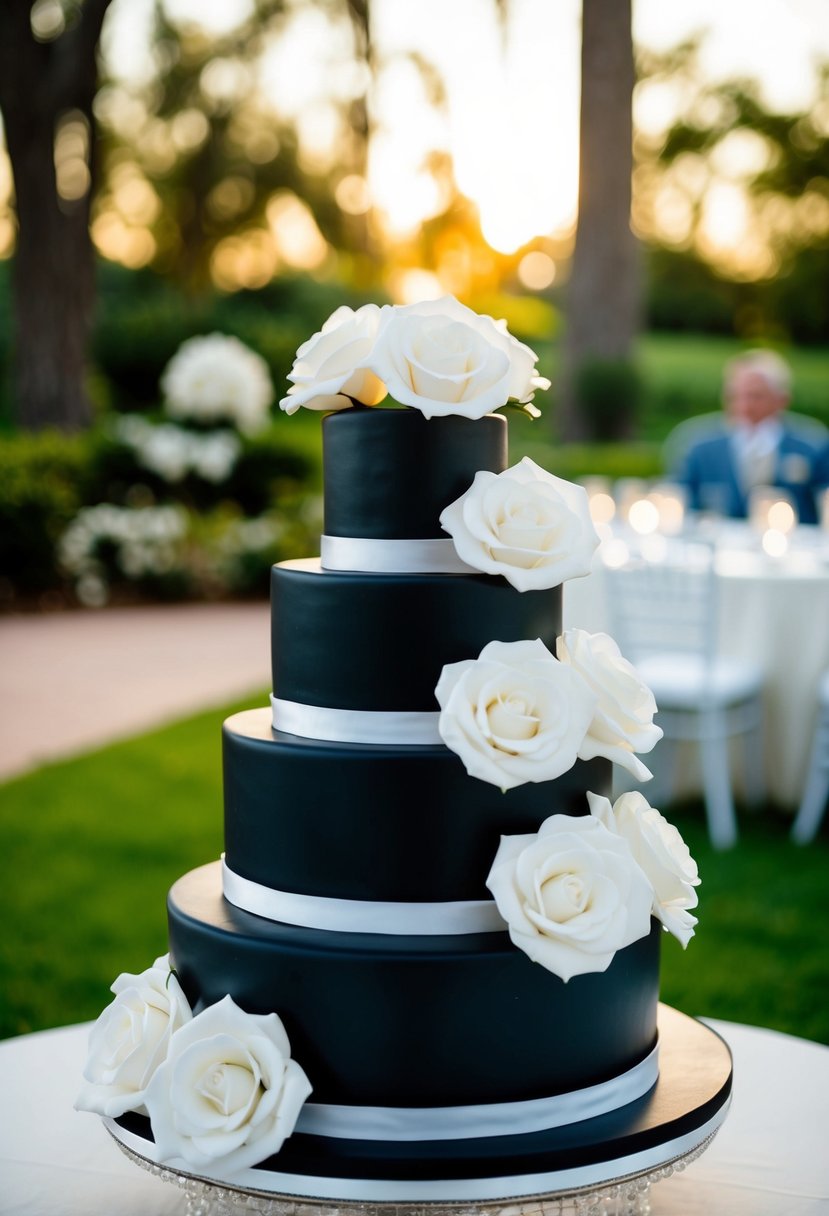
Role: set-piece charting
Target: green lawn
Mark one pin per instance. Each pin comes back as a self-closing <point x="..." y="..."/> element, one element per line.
<point x="92" y="844"/>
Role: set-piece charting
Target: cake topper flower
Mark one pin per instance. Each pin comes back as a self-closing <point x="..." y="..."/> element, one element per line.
<point x="514" y="714"/>
<point x="441" y="358"/>
<point x="525" y="524"/>
<point x="571" y="895"/>
<point x="130" y="1039"/>
<point x="623" y="720"/>
<point x="662" y="854"/>
<point x="438" y="357"/>
<point x="331" y="371"/>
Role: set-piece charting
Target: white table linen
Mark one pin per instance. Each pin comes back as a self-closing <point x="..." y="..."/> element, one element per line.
<point x="774" y="611"/>
<point x="769" y="1159"/>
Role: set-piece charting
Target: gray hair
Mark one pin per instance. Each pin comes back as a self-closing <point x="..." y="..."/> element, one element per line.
<point x="766" y="363"/>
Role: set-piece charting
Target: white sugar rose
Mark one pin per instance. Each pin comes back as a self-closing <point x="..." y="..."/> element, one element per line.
<point x="623" y="722"/>
<point x="442" y="358"/>
<point x="330" y="371"/>
<point x="525" y="524"/>
<point x="662" y="854"/>
<point x="129" y="1041"/>
<point x="216" y="378"/>
<point x="228" y="1093"/>
<point x="514" y="714"/>
<point x="572" y="895"/>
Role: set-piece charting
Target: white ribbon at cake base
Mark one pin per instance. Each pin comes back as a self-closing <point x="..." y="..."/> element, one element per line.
<point x="439" y="1191"/>
<point x="361" y="916"/>
<point x="475" y="1122"/>
<point x="407" y="727"/>
<point x="386" y="556"/>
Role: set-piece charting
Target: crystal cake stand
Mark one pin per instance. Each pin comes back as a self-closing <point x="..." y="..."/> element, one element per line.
<point x="655" y="1137"/>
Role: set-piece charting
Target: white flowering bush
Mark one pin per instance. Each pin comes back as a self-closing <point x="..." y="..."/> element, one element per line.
<point x="215" y="379"/>
<point x="173" y="453"/>
<point x="133" y="542"/>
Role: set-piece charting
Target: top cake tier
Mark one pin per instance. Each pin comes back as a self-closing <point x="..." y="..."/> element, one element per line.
<point x="388" y="474"/>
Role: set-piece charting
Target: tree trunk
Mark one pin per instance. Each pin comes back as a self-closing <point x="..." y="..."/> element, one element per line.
<point x="41" y="83"/>
<point x="603" y="295"/>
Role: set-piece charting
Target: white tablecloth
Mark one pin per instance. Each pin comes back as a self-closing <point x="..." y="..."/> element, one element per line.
<point x="775" y="612"/>
<point x="769" y="1159"/>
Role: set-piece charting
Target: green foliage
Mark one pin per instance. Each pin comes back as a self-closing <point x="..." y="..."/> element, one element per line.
<point x="575" y="461"/>
<point x="142" y="321"/>
<point x="114" y="829"/>
<point x="40" y="480"/>
<point x="608" y="394"/>
<point x="685" y="294"/>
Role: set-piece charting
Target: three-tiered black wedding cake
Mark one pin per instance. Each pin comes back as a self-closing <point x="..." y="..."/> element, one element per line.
<point x="362" y="897"/>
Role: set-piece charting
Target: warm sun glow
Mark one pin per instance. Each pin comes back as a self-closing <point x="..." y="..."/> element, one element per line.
<point x="298" y="241"/>
<point x="509" y="122"/>
<point x="462" y="96"/>
<point x="411" y="286"/>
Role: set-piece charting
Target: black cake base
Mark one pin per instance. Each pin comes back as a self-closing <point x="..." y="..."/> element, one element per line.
<point x="676" y="1118"/>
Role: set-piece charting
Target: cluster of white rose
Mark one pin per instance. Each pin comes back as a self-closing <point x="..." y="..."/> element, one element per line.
<point x="220" y="1088"/>
<point x="145" y="541"/>
<point x="583" y="887"/>
<point x="437" y="356"/>
<point x="172" y="452"/>
<point x="216" y="378"/>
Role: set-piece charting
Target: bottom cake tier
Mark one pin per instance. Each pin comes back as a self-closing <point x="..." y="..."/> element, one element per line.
<point x="672" y="1122"/>
<point x="428" y="1052"/>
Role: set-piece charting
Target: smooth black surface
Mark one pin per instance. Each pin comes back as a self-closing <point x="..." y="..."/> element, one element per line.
<point x="416" y="1021"/>
<point x="353" y="821"/>
<point x="379" y="641"/>
<point x="695" y="1082"/>
<point x="388" y="473"/>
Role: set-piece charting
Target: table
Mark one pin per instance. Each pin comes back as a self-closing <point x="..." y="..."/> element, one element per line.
<point x="769" y="1159"/>
<point x="774" y="611"/>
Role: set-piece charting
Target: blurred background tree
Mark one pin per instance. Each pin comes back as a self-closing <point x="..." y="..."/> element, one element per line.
<point x="48" y="77"/>
<point x="765" y="175"/>
<point x="603" y="314"/>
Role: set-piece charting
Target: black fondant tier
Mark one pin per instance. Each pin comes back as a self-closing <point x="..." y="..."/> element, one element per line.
<point x="687" y="1105"/>
<point x="389" y="473"/>
<point x="416" y="1021"/>
<point x="348" y="640"/>
<point x="353" y="821"/>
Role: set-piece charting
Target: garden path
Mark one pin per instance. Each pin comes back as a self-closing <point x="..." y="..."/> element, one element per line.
<point x="73" y="681"/>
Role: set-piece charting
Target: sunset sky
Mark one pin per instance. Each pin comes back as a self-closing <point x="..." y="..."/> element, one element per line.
<point x="510" y="121"/>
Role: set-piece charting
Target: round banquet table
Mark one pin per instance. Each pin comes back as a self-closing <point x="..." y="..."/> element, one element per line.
<point x="774" y="611"/>
<point x="769" y="1159"/>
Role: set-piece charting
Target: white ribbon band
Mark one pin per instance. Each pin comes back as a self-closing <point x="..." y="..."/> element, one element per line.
<point x="371" y="556"/>
<point x="361" y="916"/>
<point x="356" y="725"/>
<point x="439" y="1190"/>
<point x="475" y="1122"/>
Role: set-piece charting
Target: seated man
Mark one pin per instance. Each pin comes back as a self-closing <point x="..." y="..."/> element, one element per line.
<point x="757" y="447"/>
